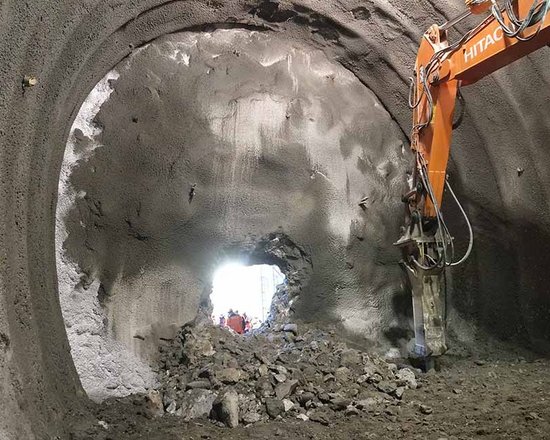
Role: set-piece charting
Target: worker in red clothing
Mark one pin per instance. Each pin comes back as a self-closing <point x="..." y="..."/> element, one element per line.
<point x="235" y="322"/>
<point x="246" y="323"/>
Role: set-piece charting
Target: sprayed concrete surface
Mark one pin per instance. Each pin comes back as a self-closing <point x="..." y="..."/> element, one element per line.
<point x="276" y="138"/>
<point x="105" y="367"/>
<point x="69" y="46"/>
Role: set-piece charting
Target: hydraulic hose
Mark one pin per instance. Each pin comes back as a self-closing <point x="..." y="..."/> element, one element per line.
<point x="470" y="229"/>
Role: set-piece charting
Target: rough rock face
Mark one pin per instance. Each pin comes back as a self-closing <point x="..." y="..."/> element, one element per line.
<point x="70" y="45"/>
<point x="231" y="144"/>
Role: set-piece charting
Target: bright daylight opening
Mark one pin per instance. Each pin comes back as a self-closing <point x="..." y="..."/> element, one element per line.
<point x="241" y="295"/>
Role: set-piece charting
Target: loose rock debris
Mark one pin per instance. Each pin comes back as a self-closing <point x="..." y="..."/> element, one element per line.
<point x="278" y="373"/>
<point x="294" y="381"/>
<point x="505" y="398"/>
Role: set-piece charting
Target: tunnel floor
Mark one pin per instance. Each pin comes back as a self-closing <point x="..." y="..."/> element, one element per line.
<point x="333" y="390"/>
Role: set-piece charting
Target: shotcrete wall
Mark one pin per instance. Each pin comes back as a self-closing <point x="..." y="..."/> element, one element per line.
<point x="69" y="46"/>
<point x="206" y="143"/>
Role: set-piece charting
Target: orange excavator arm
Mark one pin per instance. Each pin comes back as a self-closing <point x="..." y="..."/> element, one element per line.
<point x="442" y="68"/>
<point x="509" y="31"/>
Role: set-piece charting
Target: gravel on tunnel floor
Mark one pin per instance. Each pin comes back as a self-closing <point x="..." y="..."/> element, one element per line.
<point x="310" y="383"/>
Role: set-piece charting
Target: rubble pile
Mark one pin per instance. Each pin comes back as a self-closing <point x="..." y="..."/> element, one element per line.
<point x="210" y="372"/>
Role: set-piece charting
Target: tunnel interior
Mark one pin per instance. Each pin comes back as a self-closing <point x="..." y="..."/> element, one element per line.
<point x="164" y="139"/>
<point x="185" y="153"/>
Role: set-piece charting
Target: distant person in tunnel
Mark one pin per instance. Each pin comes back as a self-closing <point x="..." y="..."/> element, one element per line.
<point x="235" y="322"/>
<point x="246" y="323"/>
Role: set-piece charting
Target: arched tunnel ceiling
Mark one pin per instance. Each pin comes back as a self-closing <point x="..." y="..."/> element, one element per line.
<point x="70" y="45"/>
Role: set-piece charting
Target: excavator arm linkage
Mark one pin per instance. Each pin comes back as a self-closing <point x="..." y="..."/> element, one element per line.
<point x="506" y="34"/>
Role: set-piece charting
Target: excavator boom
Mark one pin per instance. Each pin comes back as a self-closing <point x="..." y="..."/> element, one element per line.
<point x="486" y="49"/>
<point x="507" y="33"/>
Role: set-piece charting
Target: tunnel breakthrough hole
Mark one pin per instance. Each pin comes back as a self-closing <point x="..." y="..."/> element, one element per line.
<point x="241" y="295"/>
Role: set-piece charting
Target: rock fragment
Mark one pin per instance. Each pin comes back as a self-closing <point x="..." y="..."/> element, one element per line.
<point x="425" y="409"/>
<point x="279" y="378"/>
<point x="306" y="397"/>
<point x="291" y="328"/>
<point x="263" y="370"/>
<point x="288" y="405"/>
<point x="406" y="377"/>
<point x="342" y="374"/>
<point x="350" y="358"/>
<point x="339" y="403"/>
<point x="250" y="409"/>
<point x="399" y="392"/>
<point x="274" y="407"/>
<point x="319" y="417"/>
<point x="284" y="389"/>
<point x="171" y="408"/>
<point x="386" y="387"/>
<point x="367" y="404"/>
<point x="154" y="406"/>
<point x="226" y="408"/>
<point x="203" y="384"/>
<point x="229" y="375"/>
<point x="352" y="411"/>
<point x="196" y="403"/>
